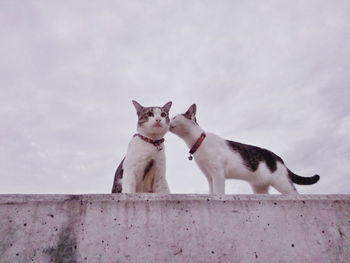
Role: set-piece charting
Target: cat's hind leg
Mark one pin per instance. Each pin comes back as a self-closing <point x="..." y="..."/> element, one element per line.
<point x="281" y="182"/>
<point x="161" y="186"/>
<point x="283" y="185"/>
<point x="261" y="189"/>
<point x="285" y="188"/>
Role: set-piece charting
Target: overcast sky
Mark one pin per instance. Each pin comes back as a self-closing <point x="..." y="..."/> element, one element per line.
<point x="269" y="73"/>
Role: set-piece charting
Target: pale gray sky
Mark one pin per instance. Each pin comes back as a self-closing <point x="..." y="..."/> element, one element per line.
<point x="269" y="73"/>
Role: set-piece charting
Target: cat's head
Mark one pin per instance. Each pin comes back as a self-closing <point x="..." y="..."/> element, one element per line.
<point x="182" y="124"/>
<point x="152" y="122"/>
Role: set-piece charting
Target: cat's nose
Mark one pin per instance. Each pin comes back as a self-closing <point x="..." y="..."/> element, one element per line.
<point x="158" y="120"/>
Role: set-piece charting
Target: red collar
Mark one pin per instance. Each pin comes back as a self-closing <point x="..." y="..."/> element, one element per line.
<point x="156" y="143"/>
<point x="196" y="145"/>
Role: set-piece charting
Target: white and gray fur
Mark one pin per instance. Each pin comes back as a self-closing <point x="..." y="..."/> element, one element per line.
<point x="143" y="168"/>
<point x="221" y="159"/>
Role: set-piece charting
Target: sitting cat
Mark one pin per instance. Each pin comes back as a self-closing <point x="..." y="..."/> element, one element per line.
<point x="220" y="159"/>
<point x="143" y="168"/>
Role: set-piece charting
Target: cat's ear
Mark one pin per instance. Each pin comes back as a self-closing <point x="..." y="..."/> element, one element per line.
<point x="138" y="107"/>
<point x="167" y="106"/>
<point x="191" y="112"/>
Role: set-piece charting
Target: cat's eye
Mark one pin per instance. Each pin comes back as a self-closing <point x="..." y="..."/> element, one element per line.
<point x="150" y="114"/>
<point x="163" y="114"/>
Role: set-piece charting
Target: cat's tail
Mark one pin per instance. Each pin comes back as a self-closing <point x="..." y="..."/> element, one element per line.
<point x="303" y="180"/>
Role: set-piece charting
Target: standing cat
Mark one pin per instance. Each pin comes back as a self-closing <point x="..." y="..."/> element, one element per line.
<point x="220" y="159"/>
<point x="143" y="168"/>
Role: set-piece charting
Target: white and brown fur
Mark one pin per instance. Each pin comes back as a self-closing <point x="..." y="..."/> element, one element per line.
<point x="143" y="168"/>
<point x="221" y="159"/>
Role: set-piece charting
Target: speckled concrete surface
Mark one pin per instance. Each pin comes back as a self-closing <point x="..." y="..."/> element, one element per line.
<point x="174" y="228"/>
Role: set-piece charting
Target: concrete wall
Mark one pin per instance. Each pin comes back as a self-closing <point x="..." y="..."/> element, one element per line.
<point x="174" y="228"/>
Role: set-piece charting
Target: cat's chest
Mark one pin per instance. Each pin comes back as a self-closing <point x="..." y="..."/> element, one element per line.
<point x="143" y="150"/>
